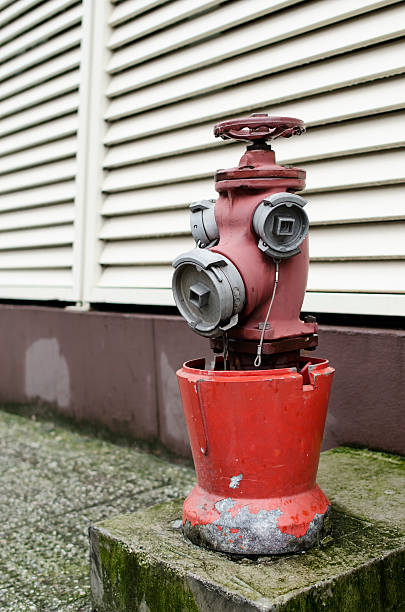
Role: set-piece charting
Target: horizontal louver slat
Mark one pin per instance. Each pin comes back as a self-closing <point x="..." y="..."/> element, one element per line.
<point x="152" y="277"/>
<point x="36" y="238"/>
<point x="5" y="3"/>
<point x="357" y="276"/>
<point x="106" y="291"/>
<point x="362" y="170"/>
<point x="158" y="224"/>
<point x="57" y="257"/>
<point x="146" y="252"/>
<point x="40" y="278"/>
<point x="360" y="241"/>
<point x="365" y="204"/>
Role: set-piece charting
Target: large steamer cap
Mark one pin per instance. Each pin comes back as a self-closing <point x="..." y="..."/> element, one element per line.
<point x="259" y="127"/>
<point x="208" y="290"/>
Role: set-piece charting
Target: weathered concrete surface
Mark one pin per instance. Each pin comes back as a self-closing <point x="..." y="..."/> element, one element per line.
<point x="141" y="562"/>
<point x="54" y="481"/>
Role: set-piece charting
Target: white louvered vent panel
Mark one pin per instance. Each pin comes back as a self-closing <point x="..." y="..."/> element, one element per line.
<point x="176" y="70"/>
<point x="39" y="84"/>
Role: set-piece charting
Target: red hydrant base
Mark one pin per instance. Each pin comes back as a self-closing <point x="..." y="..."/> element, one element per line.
<point x="256" y="438"/>
<point x="256" y="526"/>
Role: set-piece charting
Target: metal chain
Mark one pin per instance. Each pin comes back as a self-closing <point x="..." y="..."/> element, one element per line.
<point x="258" y="360"/>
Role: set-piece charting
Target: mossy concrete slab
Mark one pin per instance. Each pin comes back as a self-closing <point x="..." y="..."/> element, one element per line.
<point x="141" y="562"/>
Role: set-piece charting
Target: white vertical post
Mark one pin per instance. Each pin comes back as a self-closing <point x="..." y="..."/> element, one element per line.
<point x="93" y="83"/>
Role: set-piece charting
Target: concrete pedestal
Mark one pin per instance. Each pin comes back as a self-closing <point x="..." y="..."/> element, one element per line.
<point x="142" y="562"/>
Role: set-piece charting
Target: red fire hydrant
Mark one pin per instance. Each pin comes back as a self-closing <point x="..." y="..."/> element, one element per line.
<point x="256" y="418"/>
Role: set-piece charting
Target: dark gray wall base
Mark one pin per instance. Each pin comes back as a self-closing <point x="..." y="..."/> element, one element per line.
<point x="142" y="562"/>
<point x="119" y="370"/>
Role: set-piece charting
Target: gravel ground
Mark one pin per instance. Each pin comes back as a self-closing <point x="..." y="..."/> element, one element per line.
<point x="54" y="481"/>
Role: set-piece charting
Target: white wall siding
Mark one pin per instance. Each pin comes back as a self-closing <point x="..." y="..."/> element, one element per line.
<point x="337" y="65"/>
<point x="39" y="83"/>
<point x="109" y="186"/>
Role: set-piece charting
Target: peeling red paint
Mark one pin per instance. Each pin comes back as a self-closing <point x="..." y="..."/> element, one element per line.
<point x="297" y="511"/>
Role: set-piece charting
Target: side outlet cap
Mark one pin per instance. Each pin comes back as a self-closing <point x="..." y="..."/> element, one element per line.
<point x="281" y="224"/>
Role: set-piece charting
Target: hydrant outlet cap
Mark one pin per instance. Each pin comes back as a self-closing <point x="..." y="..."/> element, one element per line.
<point x="208" y="290"/>
<point x="281" y="224"/>
<point x="203" y="224"/>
